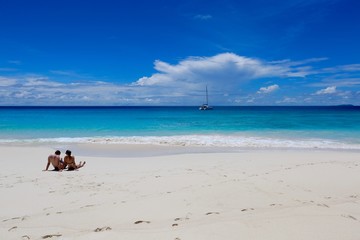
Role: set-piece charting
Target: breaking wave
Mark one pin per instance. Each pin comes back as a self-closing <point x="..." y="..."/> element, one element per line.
<point x="205" y="141"/>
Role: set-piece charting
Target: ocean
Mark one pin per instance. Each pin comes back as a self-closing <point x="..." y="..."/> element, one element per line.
<point x="241" y="127"/>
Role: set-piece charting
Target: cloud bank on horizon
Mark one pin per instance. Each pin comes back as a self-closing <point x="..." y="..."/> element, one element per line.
<point x="231" y="79"/>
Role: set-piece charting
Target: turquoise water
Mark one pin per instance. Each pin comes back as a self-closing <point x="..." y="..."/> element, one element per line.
<point x="224" y="126"/>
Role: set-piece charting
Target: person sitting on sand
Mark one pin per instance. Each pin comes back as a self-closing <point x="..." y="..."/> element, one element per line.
<point x="55" y="160"/>
<point x="69" y="161"/>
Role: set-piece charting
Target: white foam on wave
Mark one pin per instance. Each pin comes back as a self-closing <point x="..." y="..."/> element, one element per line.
<point x="204" y="140"/>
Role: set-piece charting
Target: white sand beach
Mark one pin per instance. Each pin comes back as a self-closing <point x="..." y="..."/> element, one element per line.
<point x="251" y="194"/>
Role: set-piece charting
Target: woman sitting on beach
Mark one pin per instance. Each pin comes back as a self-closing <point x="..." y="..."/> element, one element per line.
<point x="69" y="161"/>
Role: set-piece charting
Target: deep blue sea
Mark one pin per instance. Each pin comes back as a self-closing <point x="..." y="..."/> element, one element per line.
<point x="294" y="127"/>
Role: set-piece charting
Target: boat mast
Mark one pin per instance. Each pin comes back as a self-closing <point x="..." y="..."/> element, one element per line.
<point x="207" y="97"/>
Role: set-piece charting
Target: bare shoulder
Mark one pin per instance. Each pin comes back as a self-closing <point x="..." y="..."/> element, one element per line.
<point x="69" y="159"/>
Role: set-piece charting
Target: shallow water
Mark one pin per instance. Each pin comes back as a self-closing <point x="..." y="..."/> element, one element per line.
<point x="323" y="127"/>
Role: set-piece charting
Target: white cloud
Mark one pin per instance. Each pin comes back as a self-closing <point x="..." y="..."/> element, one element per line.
<point x="203" y="17"/>
<point x="40" y="90"/>
<point x="328" y="90"/>
<point x="287" y="100"/>
<point x="40" y="81"/>
<point x="268" y="89"/>
<point x="4" y="82"/>
<point x="346" y="68"/>
<point x="8" y="69"/>
<point x="229" y="67"/>
<point x="227" y="76"/>
<point x="339" y="81"/>
<point x="66" y="73"/>
<point x="289" y="62"/>
<point x="15" y="62"/>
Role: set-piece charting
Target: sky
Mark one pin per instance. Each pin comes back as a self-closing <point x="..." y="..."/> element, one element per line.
<point x="165" y="52"/>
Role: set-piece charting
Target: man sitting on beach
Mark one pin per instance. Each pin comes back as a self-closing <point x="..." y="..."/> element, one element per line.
<point x="69" y="161"/>
<point x="55" y="160"/>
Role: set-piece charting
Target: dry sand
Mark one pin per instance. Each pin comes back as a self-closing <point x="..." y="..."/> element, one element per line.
<point x="252" y="194"/>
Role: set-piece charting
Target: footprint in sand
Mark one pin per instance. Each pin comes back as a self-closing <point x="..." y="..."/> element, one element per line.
<point x="350" y="217"/>
<point x="141" y="221"/>
<point x="25" y="237"/>
<point x="87" y="206"/>
<point x="247" y="209"/>
<point x="179" y="219"/>
<point x="50" y="236"/>
<point x="210" y="213"/>
<point x="275" y="204"/>
<point x="323" y="205"/>
<point x="14" y="218"/>
<point x="13" y="228"/>
<point x="102" y="229"/>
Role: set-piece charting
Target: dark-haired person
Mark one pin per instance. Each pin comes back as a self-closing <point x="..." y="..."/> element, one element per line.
<point x="69" y="162"/>
<point x="55" y="160"/>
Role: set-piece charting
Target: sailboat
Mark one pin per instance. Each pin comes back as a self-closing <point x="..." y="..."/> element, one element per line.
<point x="206" y="106"/>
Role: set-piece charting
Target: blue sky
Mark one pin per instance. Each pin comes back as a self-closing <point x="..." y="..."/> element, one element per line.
<point x="259" y="52"/>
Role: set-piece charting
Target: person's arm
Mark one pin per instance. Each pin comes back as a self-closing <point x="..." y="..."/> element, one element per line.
<point x="47" y="165"/>
<point x="75" y="165"/>
<point x="63" y="165"/>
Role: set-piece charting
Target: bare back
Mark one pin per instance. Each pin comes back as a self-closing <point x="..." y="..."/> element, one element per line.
<point x="70" y="161"/>
<point x="54" y="160"/>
